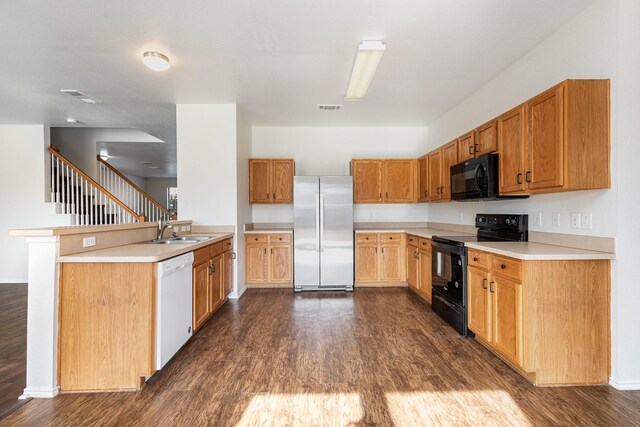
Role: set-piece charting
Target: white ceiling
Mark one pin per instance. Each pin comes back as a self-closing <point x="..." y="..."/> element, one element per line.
<point x="276" y="59"/>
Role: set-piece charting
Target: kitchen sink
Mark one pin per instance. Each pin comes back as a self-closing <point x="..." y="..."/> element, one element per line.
<point x="198" y="238"/>
<point x="182" y="240"/>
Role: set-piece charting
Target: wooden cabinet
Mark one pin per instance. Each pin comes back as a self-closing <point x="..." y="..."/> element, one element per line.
<point x="547" y="319"/>
<point x="271" y="181"/>
<point x="379" y="258"/>
<point x="424" y="287"/>
<point x="486" y="139"/>
<point x="467" y="146"/>
<point x="418" y="255"/>
<point x="557" y="141"/>
<point x="212" y="277"/>
<point x="384" y="180"/>
<point x="423" y="178"/>
<point x="440" y="162"/>
<point x="269" y="260"/>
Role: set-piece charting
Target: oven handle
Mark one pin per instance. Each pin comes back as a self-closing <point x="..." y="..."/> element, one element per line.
<point x="447" y="303"/>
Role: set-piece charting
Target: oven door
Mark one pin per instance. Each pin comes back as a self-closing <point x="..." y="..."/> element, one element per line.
<point x="469" y="180"/>
<point x="449" y="271"/>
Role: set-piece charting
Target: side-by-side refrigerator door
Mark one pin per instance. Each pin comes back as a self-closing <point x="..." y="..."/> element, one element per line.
<point x="306" y="231"/>
<point x="336" y="232"/>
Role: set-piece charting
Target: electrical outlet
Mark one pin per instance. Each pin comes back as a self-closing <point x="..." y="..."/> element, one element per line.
<point x="537" y="219"/>
<point x="555" y="219"/>
<point x="88" y="241"/>
<point x="188" y="228"/>
<point x="587" y="221"/>
<point x="460" y="217"/>
<point x="575" y="220"/>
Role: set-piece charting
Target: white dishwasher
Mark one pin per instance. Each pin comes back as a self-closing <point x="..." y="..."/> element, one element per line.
<point x="174" y="306"/>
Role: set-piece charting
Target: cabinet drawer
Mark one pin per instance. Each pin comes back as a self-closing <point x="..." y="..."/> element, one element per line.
<point x="366" y="238"/>
<point x="200" y="256"/>
<point x="479" y="259"/>
<point x="425" y="244"/>
<point x="413" y="240"/>
<point x="215" y="249"/>
<point x="390" y="238"/>
<point x="507" y="267"/>
<point x="280" y="238"/>
<point x="227" y="245"/>
<point x="255" y="239"/>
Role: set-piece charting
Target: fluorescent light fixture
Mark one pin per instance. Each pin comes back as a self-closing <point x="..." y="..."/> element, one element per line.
<point x="367" y="60"/>
<point x="72" y="121"/>
<point x="155" y="61"/>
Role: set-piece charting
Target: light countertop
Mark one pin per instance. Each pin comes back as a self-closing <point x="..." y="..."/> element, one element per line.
<point x="270" y="231"/>
<point x="142" y="252"/>
<point x="530" y="251"/>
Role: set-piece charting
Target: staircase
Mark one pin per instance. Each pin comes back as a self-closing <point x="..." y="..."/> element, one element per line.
<point x="130" y="194"/>
<point x="77" y="194"/>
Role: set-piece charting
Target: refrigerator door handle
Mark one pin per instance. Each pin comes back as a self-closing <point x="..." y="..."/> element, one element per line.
<point x="317" y="223"/>
<point x="321" y="222"/>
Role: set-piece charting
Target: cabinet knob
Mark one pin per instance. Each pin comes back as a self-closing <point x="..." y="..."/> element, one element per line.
<point x="390" y="238"/>
<point x="503" y="266"/>
<point x="256" y="239"/>
<point x="366" y="238"/>
<point x="475" y="258"/>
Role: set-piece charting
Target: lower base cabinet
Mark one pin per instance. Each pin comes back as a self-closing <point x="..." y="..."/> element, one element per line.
<point x="212" y="279"/>
<point x="269" y="260"/>
<point x="379" y="259"/>
<point x="419" y="266"/>
<point x="548" y="319"/>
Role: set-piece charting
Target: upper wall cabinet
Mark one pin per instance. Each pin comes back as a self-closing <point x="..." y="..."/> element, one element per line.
<point x="271" y="181"/>
<point x="440" y="162"/>
<point x="467" y="146"/>
<point x="478" y="142"/>
<point x="557" y="141"/>
<point x="423" y="178"/>
<point x="384" y="180"/>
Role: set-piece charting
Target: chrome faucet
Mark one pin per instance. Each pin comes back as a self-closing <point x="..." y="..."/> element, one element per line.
<point x="162" y="226"/>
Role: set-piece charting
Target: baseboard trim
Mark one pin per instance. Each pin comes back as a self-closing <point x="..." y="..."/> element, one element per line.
<point x="269" y="285"/>
<point x="624" y="385"/>
<point x="39" y="393"/>
<point x="236" y="296"/>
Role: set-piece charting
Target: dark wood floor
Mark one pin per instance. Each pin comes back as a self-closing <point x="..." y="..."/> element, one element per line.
<point x="13" y="344"/>
<point x="372" y="357"/>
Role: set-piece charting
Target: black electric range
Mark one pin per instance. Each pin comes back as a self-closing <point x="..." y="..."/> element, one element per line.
<point x="449" y="263"/>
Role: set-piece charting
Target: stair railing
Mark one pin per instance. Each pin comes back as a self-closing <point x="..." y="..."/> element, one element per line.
<point x="130" y="194"/>
<point x="79" y="194"/>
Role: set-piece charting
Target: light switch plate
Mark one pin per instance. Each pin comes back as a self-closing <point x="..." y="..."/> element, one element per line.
<point x="555" y="219"/>
<point x="587" y="221"/>
<point x="537" y="219"/>
<point x="88" y="241"/>
<point x="575" y="220"/>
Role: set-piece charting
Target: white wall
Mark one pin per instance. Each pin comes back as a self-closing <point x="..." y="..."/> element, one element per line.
<point x="24" y="176"/>
<point x="157" y="188"/>
<point x="328" y="150"/>
<point x="207" y="167"/>
<point x="243" y="153"/>
<point x="78" y="145"/>
<point x="583" y="48"/>
<point x="626" y="295"/>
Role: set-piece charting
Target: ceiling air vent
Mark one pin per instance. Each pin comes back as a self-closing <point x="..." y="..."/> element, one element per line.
<point x="329" y="107"/>
<point x="72" y="92"/>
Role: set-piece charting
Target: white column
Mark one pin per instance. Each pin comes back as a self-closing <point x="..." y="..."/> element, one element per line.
<point x="42" y="318"/>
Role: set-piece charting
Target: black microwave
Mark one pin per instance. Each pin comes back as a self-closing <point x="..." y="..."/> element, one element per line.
<point x="477" y="179"/>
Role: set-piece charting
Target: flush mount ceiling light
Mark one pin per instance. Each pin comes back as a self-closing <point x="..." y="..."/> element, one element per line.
<point x="72" y="121"/>
<point x="155" y="61"/>
<point x="365" y="66"/>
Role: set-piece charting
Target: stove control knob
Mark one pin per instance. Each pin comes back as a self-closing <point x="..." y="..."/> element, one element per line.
<point x="457" y="285"/>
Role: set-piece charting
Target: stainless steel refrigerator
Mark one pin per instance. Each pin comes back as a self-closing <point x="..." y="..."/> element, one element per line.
<point x="323" y="233"/>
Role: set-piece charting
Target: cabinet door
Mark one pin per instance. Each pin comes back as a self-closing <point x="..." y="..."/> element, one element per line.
<point x="390" y="262"/>
<point x="366" y="262"/>
<point x="216" y="291"/>
<point x="423" y="179"/>
<point x="280" y="265"/>
<point x="425" y="274"/>
<point x="412" y="268"/>
<point x="435" y="175"/>
<point x="227" y="272"/>
<point x="486" y="139"/>
<point x="449" y="158"/>
<point x="282" y="181"/>
<point x="259" y="181"/>
<point x="467" y="146"/>
<point x="507" y="318"/>
<point x="256" y="268"/>
<point x="399" y="181"/>
<point x="367" y="181"/>
<point x="201" y="308"/>
<point x="545" y="142"/>
<point x="479" y="302"/>
<point x="512" y="149"/>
